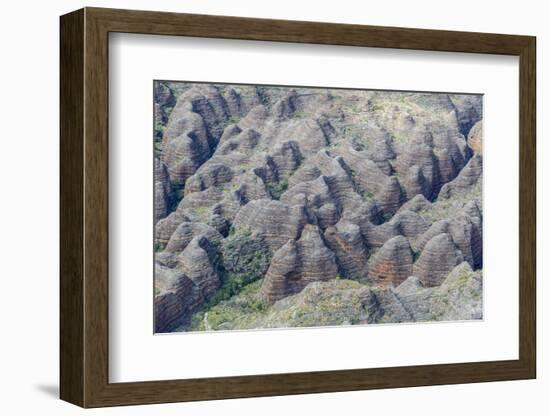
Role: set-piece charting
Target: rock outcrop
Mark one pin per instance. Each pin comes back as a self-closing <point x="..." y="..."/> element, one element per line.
<point x="197" y="262"/>
<point x="182" y="236"/>
<point x="297" y="264"/>
<point x="346" y="241"/>
<point x="464" y="181"/>
<point x="439" y="257"/>
<point x="468" y="111"/>
<point x="185" y="143"/>
<point x="280" y="206"/>
<point x="175" y="304"/>
<point x="346" y="302"/>
<point x="393" y="263"/>
<point x="163" y="191"/>
<point x="418" y="165"/>
<point x="458" y="298"/>
<point x="164" y="102"/>
<point x="273" y="221"/>
<point x="416" y="204"/>
<point x="475" y="138"/>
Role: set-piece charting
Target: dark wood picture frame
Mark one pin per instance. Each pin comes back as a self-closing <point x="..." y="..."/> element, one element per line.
<point x="84" y="207"/>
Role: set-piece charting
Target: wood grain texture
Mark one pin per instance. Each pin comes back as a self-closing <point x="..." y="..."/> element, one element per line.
<point x="96" y="208"/>
<point x="71" y="209"/>
<point x="162" y="23"/>
<point x="527" y="207"/>
<point x="84" y="205"/>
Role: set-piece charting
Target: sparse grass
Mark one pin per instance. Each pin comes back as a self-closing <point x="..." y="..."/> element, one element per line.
<point x="158" y="131"/>
<point x="356" y="134"/>
<point x="301" y="114"/>
<point x="230" y="187"/>
<point x="237" y="304"/>
<point x="437" y="152"/>
<point x="232" y="120"/>
<point x="276" y="190"/>
<point x="241" y="260"/>
<point x="337" y="302"/>
<point x="243" y="308"/>
<point x="448" y="207"/>
<point x="201" y="210"/>
<point x="368" y="196"/>
<point x="377" y="107"/>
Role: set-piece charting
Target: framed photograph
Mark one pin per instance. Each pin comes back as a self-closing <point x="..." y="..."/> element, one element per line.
<point x="256" y="207"/>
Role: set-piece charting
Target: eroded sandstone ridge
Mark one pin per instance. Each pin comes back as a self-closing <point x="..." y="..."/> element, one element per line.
<point x="280" y="207"/>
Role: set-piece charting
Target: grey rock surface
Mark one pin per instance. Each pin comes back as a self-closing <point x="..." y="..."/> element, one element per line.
<point x="297" y="264"/>
<point x="475" y="138"/>
<point x="393" y="263"/>
<point x="274" y="206"/>
<point x="163" y="191"/>
<point x="437" y="259"/>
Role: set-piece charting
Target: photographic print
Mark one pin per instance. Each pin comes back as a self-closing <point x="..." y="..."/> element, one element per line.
<point x="289" y="206"/>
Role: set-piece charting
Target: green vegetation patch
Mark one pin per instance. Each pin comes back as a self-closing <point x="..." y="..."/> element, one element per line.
<point x="232" y="120"/>
<point x="277" y="189"/>
<point x="444" y="208"/>
<point x="158" y="247"/>
<point x="241" y="260"/>
<point x="237" y="312"/>
<point x="337" y="302"/>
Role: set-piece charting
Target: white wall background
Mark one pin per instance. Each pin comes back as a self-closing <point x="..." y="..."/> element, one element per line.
<point x="29" y="208"/>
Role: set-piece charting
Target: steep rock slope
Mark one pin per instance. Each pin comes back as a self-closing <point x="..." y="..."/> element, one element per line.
<point x="276" y="193"/>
